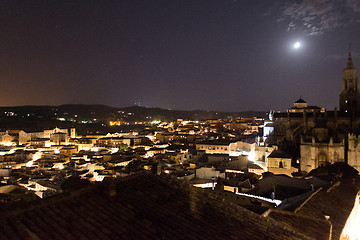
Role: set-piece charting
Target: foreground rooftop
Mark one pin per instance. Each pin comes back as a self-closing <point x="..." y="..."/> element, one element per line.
<point x="145" y="206"/>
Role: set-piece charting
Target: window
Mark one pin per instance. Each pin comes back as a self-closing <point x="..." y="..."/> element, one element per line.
<point x="322" y="159"/>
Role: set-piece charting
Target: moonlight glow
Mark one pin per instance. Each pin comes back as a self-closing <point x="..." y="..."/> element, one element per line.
<point x="297" y="45"/>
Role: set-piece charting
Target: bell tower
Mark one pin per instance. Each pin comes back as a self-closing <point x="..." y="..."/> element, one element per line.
<point x="350" y="94"/>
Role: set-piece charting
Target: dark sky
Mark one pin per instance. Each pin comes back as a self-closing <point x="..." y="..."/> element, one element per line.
<point x="225" y="55"/>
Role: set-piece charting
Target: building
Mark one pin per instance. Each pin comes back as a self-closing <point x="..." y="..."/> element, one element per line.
<point x="317" y="137"/>
<point x="150" y="207"/>
<point x="318" y="153"/>
<point x="214" y="147"/>
<point x="113" y="141"/>
<point x="350" y="94"/>
<point x="14" y="137"/>
<point x="280" y="163"/>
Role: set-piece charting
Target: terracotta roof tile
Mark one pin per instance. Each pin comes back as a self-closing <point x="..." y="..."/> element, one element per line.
<point x="145" y="207"/>
<point x="314" y="228"/>
<point x="335" y="202"/>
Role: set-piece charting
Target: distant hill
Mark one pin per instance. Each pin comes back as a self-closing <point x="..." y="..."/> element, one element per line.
<point x="81" y="111"/>
<point x="38" y="117"/>
<point x="165" y="114"/>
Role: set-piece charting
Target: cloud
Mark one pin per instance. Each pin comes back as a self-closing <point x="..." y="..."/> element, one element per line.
<point x="354" y="5"/>
<point x="320" y="16"/>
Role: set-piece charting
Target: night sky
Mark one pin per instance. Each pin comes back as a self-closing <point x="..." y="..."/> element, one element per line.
<point x="180" y="54"/>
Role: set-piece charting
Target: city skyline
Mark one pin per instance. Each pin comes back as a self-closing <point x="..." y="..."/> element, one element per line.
<point x="210" y="55"/>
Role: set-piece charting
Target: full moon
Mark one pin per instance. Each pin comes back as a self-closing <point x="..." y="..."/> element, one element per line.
<point x="297" y="45"/>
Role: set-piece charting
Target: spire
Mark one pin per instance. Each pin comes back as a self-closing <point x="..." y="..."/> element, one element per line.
<point x="350" y="93"/>
<point x="349" y="64"/>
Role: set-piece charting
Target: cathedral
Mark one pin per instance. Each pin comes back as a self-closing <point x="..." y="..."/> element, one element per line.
<point x="317" y="137"/>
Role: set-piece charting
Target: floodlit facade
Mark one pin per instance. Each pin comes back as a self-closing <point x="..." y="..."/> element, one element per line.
<point x="322" y="137"/>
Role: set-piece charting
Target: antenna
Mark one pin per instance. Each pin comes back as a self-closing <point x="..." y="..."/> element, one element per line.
<point x="137" y="102"/>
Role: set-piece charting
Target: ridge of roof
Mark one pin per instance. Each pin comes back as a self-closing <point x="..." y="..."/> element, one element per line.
<point x="300" y="100"/>
<point x="149" y="206"/>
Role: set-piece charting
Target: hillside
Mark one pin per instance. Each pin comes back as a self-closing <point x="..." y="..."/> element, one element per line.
<point x="165" y="114"/>
<point x="98" y="116"/>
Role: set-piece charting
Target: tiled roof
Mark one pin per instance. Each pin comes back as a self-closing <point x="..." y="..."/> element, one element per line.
<point x="278" y="154"/>
<point x="215" y="142"/>
<point x="335" y="202"/>
<point x="300" y="100"/>
<point x="314" y="228"/>
<point x="145" y="207"/>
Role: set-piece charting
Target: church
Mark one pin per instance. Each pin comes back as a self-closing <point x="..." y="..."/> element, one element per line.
<point x="316" y="137"/>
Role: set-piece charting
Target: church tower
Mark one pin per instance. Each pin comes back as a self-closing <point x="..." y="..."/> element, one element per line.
<point x="350" y="94"/>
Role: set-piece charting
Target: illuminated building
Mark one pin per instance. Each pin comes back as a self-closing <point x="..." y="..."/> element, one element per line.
<point x="350" y="94"/>
<point x="280" y="163"/>
<point x="317" y="137"/>
<point x="214" y="147"/>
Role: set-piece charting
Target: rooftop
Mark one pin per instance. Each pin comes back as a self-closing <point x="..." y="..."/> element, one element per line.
<point x="146" y="207"/>
<point x="300" y="100"/>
